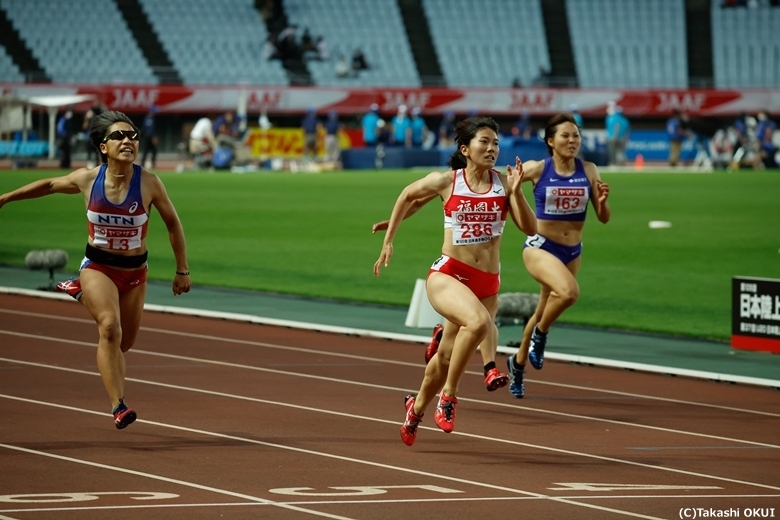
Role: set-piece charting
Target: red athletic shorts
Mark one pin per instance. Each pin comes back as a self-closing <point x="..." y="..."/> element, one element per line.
<point x="125" y="281"/>
<point x="482" y="284"/>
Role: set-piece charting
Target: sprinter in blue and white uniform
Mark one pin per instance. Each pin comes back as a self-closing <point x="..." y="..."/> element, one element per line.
<point x="563" y="187"/>
<point x="119" y="196"/>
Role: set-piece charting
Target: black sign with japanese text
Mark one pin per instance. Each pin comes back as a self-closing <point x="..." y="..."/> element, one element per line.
<point x="755" y="313"/>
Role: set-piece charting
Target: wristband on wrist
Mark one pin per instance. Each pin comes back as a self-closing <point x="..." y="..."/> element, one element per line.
<point x="183" y="273"/>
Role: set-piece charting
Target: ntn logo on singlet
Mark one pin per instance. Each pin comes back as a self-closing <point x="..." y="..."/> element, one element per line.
<point x="109" y="219"/>
<point x="569" y="192"/>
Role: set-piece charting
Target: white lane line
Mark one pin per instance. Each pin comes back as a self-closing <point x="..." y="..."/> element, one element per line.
<point x="393" y="362"/>
<point x="395" y="423"/>
<point x="376" y="501"/>
<point x="306" y="452"/>
<point x="299" y="375"/>
<point x="168" y="479"/>
<point x="248" y="318"/>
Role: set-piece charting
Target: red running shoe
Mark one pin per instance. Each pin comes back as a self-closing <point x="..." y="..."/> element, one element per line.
<point x="123" y="416"/>
<point x="433" y="346"/>
<point x="444" y="416"/>
<point x="495" y="380"/>
<point x="409" y="427"/>
<point x="71" y="287"/>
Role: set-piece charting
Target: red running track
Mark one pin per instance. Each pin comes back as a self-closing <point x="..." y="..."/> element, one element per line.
<point x="248" y="421"/>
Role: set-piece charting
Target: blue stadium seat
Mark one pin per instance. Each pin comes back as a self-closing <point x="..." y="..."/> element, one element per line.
<point x="63" y="36"/>
<point x="629" y="43"/>
<point x="746" y="47"/>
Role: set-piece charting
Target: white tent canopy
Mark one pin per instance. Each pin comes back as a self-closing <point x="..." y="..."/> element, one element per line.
<point x="52" y="104"/>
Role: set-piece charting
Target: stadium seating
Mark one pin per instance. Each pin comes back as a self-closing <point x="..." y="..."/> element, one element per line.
<point x="376" y="27"/>
<point x="746" y="46"/>
<point x="214" y="41"/>
<point x="80" y="42"/>
<point x="8" y="69"/>
<point x="490" y="44"/>
<point x="629" y="43"/>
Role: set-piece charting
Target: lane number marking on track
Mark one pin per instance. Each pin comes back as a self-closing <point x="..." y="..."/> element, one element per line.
<point x="591" y="486"/>
<point x="48" y="498"/>
<point x="354" y="491"/>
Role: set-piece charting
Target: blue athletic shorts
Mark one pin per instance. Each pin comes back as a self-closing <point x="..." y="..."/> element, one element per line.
<point x="563" y="253"/>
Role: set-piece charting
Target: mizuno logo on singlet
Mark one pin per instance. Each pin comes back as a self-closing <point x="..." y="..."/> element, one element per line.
<point x="461" y="278"/>
<point x="499" y="190"/>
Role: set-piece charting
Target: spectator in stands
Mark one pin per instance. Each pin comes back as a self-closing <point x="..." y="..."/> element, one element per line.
<point x="359" y="61"/>
<point x="677" y="130"/>
<point x="370" y="124"/>
<point x="516" y="83"/>
<point x="610" y="123"/>
<point x="447" y="130"/>
<point x="93" y="157"/>
<point x="319" y="50"/>
<point x="307" y="42"/>
<point x="748" y="149"/>
<point x="287" y="44"/>
<point x="342" y="67"/>
<point x="522" y="129"/>
<point x="418" y="128"/>
<point x="401" y="133"/>
<point x="321" y="46"/>
<point x="765" y="131"/>
<point x="202" y="142"/>
<point x="112" y="277"/>
<point x="332" y="149"/>
<point x="64" y="137"/>
<point x="543" y="79"/>
<point x="226" y="129"/>
<point x="149" y="136"/>
<point x="310" y="126"/>
<point x="622" y="131"/>
<point x="722" y="148"/>
<point x="462" y="284"/>
<point x="270" y="51"/>
<point x="575" y="113"/>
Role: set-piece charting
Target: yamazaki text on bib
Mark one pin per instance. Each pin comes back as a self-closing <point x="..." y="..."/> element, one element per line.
<point x="563" y="201"/>
<point x="470" y="227"/>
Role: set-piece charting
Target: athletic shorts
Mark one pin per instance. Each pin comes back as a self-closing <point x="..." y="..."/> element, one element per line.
<point x="482" y="284"/>
<point x="125" y="281"/>
<point x="563" y="253"/>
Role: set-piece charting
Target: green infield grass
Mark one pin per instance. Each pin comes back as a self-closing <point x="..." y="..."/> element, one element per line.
<point x="310" y="235"/>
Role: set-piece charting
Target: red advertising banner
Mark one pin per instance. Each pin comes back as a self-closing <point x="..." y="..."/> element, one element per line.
<point x="349" y="101"/>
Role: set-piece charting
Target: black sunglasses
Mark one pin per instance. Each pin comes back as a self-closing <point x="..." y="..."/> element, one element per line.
<point x="120" y="135"/>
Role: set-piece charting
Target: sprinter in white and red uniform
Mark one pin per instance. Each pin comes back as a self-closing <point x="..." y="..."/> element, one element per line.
<point x="563" y="187"/>
<point x="112" y="280"/>
<point x="463" y="283"/>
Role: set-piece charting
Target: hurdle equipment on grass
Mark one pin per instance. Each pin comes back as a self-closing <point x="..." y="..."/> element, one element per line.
<point x="515" y="307"/>
<point x="421" y="313"/>
<point x="50" y="259"/>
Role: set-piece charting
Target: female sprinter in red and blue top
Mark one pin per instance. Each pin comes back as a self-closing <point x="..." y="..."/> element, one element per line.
<point x="463" y="283"/>
<point x="563" y="186"/>
<point x="119" y="196"/>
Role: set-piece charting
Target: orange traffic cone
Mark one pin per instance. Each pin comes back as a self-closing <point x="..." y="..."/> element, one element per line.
<point x="639" y="162"/>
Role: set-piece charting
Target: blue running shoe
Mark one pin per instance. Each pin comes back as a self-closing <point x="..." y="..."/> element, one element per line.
<point x="536" y="351"/>
<point x="516" y="385"/>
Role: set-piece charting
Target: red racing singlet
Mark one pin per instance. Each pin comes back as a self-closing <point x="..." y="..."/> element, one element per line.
<point x="475" y="217"/>
<point x="120" y="227"/>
